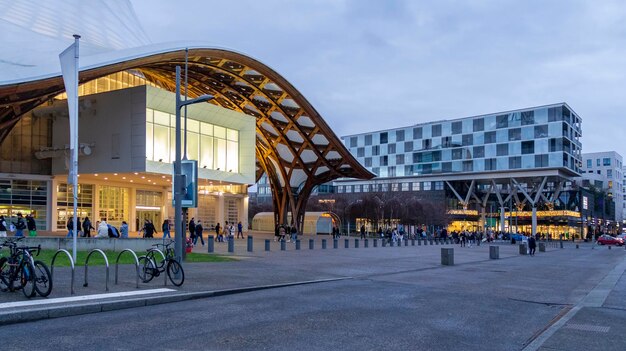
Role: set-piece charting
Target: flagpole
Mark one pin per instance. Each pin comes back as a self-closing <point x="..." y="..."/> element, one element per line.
<point x="74" y="142"/>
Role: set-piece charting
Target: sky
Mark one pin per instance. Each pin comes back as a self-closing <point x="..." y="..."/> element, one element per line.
<point x="367" y="65"/>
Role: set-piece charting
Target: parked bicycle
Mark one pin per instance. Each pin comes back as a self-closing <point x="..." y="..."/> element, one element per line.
<point x="19" y="271"/>
<point x="150" y="269"/>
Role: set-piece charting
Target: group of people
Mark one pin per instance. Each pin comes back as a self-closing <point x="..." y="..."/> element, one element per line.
<point x="19" y="226"/>
<point x="221" y="233"/>
<point x="281" y="231"/>
<point x="102" y="229"/>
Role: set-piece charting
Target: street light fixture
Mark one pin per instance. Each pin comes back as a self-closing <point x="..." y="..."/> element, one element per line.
<point x="179" y="181"/>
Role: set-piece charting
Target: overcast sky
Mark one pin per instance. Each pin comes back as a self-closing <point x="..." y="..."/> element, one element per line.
<point x="370" y="65"/>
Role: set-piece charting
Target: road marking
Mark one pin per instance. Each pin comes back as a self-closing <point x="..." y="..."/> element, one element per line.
<point x="7" y="305"/>
<point x="588" y="327"/>
<point x="595" y="298"/>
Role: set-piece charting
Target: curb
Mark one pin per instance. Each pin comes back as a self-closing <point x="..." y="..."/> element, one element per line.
<point x="56" y="311"/>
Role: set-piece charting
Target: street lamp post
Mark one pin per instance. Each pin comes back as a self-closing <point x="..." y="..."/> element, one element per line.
<point x="179" y="181"/>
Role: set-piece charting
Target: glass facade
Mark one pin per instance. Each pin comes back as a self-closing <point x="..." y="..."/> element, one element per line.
<point x="24" y="196"/>
<point x="542" y="137"/>
<point x="215" y="147"/>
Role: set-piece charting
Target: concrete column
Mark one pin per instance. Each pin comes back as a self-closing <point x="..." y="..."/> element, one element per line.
<point x="244" y="214"/>
<point x="502" y="219"/>
<point x="219" y="211"/>
<point x="534" y="221"/>
<point x="483" y="219"/>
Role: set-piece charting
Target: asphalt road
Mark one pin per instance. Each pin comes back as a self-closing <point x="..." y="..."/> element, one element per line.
<point x="479" y="305"/>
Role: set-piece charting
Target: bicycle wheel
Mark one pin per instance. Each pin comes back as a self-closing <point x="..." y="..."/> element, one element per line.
<point x="27" y="279"/>
<point x="146" y="269"/>
<point x="175" y="272"/>
<point x="43" y="279"/>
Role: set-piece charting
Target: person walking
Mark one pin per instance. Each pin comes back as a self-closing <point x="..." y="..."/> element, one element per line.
<point x="165" y="227"/>
<point x="30" y="224"/>
<point x="192" y="228"/>
<point x="218" y="233"/>
<point x="532" y="245"/>
<point x="124" y="230"/>
<point x="3" y="227"/>
<point x="240" y="230"/>
<point x="198" y="233"/>
<point x="70" y="228"/>
<point x="150" y="229"/>
<point x="20" y="225"/>
<point x="103" y="229"/>
<point x="87" y="227"/>
<point x="362" y="231"/>
<point x="294" y="233"/>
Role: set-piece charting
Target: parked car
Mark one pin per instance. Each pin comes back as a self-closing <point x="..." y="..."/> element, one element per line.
<point x="609" y="240"/>
<point x="622" y="236"/>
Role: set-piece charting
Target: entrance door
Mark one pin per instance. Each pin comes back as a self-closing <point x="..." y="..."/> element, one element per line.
<point x="152" y="215"/>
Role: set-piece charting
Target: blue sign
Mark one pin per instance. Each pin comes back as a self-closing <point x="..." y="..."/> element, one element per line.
<point x="189" y="172"/>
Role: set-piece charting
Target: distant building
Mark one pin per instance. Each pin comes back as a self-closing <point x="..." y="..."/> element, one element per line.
<point x="604" y="171"/>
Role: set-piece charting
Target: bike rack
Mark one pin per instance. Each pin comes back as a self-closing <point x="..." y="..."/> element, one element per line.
<point x="72" y="265"/>
<point x="165" y="263"/>
<point x="136" y="264"/>
<point x="106" y="261"/>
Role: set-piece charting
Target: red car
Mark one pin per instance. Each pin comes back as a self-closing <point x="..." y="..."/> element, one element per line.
<point x="609" y="240"/>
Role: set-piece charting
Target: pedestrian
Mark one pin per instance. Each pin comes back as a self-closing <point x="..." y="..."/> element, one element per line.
<point x="20" y="225"/>
<point x="277" y="232"/>
<point x="192" y="228"/>
<point x="362" y="231"/>
<point x="294" y="233"/>
<point x="281" y="233"/>
<point x="124" y="230"/>
<point x="87" y="227"/>
<point x="532" y="245"/>
<point x="3" y="227"/>
<point x="165" y="227"/>
<point x="150" y="229"/>
<point x="103" y="229"/>
<point x="218" y="233"/>
<point x="70" y="228"/>
<point x="239" y="230"/>
<point x="198" y="233"/>
<point x="30" y="224"/>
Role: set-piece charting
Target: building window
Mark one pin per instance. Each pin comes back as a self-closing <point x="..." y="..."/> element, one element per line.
<point x="436" y="130"/>
<point x="376" y="170"/>
<point x="426" y="144"/>
<point x="490" y="164"/>
<point x="515" y="134"/>
<point x="400" y="159"/>
<point x="528" y="147"/>
<point x="467" y="139"/>
<point x="490" y="137"/>
<point x="541" y="160"/>
<point x="457" y="127"/>
<point x="446" y="167"/>
<point x="541" y="131"/>
<point x="479" y="124"/>
<point x="468" y="166"/>
<point x="457" y="154"/>
<point x="375" y="150"/>
<point x="502" y="149"/>
<point x="426" y="186"/>
<point x="556" y="144"/>
<point x="554" y="114"/>
<point x="408" y="146"/>
<point x="360" y="152"/>
<point x="609" y="173"/>
<point x="368" y="140"/>
<point x="417" y="133"/>
<point x="479" y="151"/>
<point x="394" y="187"/>
<point x="528" y="118"/>
<point x="606" y="161"/>
<point x="399" y="135"/>
<point x="446" y="141"/>
<point x="368" y="162"/>
<point x="502" y="121"/>
<point x="383" y="138"/>
<point x="405" y="186"/>
<point x="515" y="162"/>
<point x="408" y="170"/>
<point x="391" y="171"/>
<point x="113" y="204"/>
<point x="353" y="141"/>
<point x="598" y="162"/>
<point x="415" y="186"/>
<point x="384" y="160"/>
<point x="391" y="149"/>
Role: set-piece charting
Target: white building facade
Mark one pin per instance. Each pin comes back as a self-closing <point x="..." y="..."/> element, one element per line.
<point x="604" y="171"/>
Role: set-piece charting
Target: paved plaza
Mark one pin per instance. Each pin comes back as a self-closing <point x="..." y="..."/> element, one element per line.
<point x="354" y="298"/>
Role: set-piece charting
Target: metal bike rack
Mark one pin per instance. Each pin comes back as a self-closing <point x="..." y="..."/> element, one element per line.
<point x="106" y="261"/>
<point x="72" y="265"/>
<point x="164" y="263"/>
<point x="136" y="264"/>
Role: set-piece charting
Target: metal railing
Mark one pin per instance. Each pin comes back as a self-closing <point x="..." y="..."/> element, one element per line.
<point x="106" y="262"/>
<point x="71" y="263"/>
<point x="136" y="265"/>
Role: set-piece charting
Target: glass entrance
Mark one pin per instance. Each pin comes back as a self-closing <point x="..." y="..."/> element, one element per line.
<point x="152" y="215"/>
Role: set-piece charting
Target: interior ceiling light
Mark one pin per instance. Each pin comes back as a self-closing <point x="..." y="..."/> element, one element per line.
<point x="114" y="174"/>
<point x="136" y="173"/>
<point x="96" y="174"/>
<point x="123" y="177"/>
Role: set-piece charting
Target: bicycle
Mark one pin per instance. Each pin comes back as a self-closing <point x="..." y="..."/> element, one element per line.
<point x="12" y="269"/>
<point x="150" y="269"/>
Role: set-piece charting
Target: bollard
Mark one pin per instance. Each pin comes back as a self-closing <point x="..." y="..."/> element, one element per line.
<point x="297" y="244"/>
<point x="346" y="243"/>
<point x="211" y="244"/>
<point x="323" y="244"/>
<point x="447" y="256"/>
<point x="561" y="243"/>
<point x="577" y="246"/>
<point x="542" y="247"/>
<point x="375" y="242"/>
<point x="390" y="243"/>
<point x="436" y="241"/>
<point x="523" y="250"/>
<point x="283" y="245"/>
<point x="231" y="244"/>
<point x="366" y="243"/>
<point x="406" y="242"/>
<point x="356" y="243"/>
<point x="335" y="243"/>
<point x="494" y="252"/>
<point x="267" y="244"/>
<point x="311" y="244"/>
<point x="412" y="242"/>
<point x="384" y="242"/>
<point x="250" y="243"/>
<point x="431" y="241"/>
<point x="419" y="242"/>
<point x="609" y="247"/>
